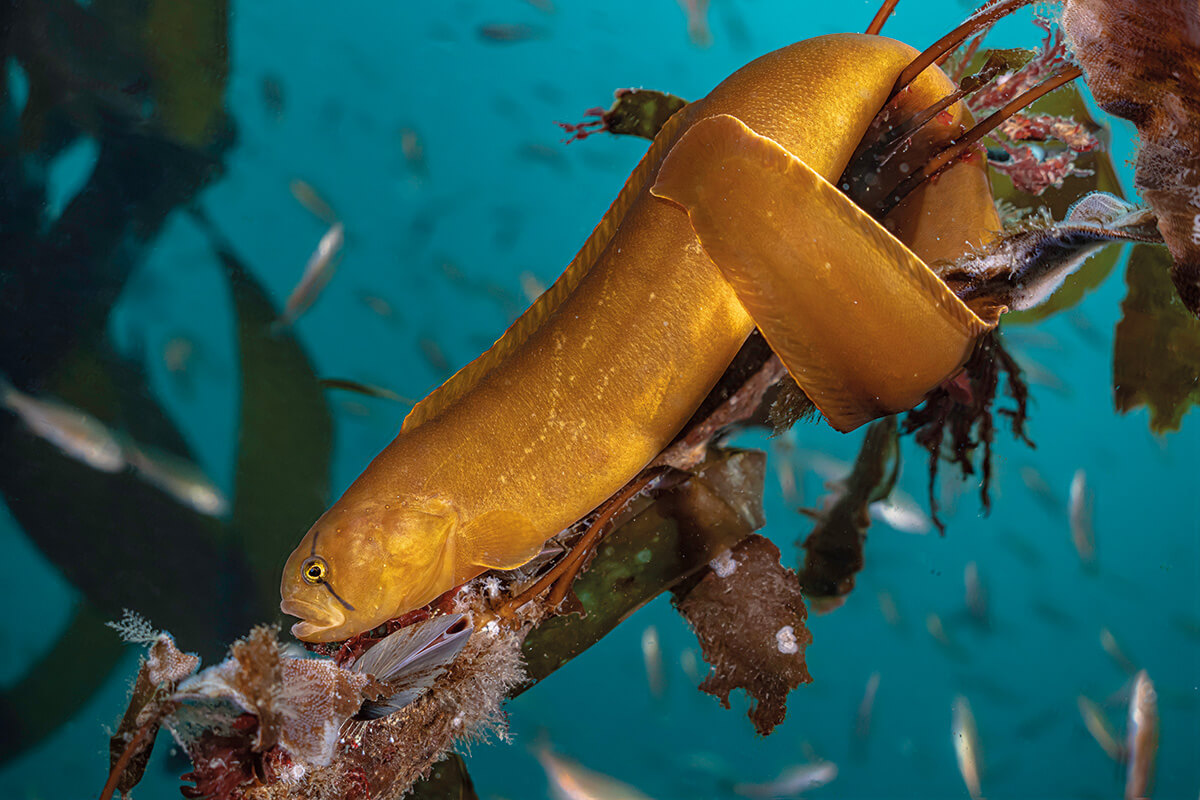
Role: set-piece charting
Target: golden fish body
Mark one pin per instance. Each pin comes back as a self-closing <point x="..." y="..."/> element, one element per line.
<point x="604" y="370"/>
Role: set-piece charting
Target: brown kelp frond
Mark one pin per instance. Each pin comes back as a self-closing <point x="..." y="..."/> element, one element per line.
<point x="881" y="17"/>
<point x="960" y="411"/>
<point x="749" y="615"/>
<point x="1144" y="66"/>
<point x="833" y="551"/>
<point x="1156" y="349"/>
<point x="634" y="112"/>
<point x="974" y="24"/>
<point x="966" y="144"/>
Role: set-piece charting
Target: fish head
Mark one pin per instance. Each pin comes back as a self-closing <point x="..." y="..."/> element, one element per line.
<point x="364" y="563"/>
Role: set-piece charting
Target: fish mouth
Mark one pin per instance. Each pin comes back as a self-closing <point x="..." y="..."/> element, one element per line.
<point x="318" y="623"/>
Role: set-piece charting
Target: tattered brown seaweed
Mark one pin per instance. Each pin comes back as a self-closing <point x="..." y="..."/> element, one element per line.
<point x="833" y="552"/>
<point x="1156" y="352"/>
<point x="749" y="615"/>
<point x="634" y="112"/>
<point x="1145" y="67"/>
<point x="663" y="543"/>
<point x="960" y="411"/>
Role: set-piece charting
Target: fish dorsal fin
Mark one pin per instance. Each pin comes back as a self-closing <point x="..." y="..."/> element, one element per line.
<point x="466" y="378"/>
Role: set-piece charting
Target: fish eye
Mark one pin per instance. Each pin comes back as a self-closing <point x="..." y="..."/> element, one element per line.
<point x="314" y="570"/>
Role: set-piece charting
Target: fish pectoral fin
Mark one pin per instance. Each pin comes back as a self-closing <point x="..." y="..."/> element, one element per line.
<point x="500" y="540"/>
<point x="864" y="327"/>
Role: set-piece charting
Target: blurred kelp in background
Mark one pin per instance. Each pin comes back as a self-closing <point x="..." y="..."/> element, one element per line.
<point x="142" y="82"/>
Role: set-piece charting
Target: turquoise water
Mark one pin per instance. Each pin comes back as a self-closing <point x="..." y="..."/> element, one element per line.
<point x="498" y="197"/>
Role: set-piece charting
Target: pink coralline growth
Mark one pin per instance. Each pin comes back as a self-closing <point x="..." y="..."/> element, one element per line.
<point x="1033" y="173"/>
<point x="1050" y="58"/>
<point x="581" y="130"/>
<point x="1031" y="168"/>
<point x="1039" y="128"/>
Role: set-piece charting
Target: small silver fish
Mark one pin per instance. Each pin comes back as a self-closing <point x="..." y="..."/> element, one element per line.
<point x="178" y="353"/>
<point x="414" y="152"/>
<point x="531" y="287"/>
<point x="317" y="273"/>
<point x="312" y="201"/>
<point x="889" y="609"/>
<point x="697" y="22"/>
<point x="866" y="709"/>
<point x="690" y="666"/>
<point x="792" y="782"/>
<point x="570" y="780"/>
<point x="966" y="745"/>
<point x="76" y="433"/>
<point x="179" y="478"/>
<point x="1117" y="653"/>
<point x="1079" y="511"/>
<point x="652" y="659"/>
<point x="1141" y="738"/>
<point x="1097" y="724"/>
<point x="377" y="305"/>
<point x="976" y="595"/>
<point x="901" y="513"/>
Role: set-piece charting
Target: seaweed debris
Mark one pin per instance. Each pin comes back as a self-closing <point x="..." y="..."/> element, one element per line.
<point x="749" y="614"/>
<point x="960" y="411"/>
<point x="834" y="548"/>
<point x="1156" y="352"/>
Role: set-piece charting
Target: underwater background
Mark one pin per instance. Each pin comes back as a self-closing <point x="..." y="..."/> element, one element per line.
<point x="430" y="128"/>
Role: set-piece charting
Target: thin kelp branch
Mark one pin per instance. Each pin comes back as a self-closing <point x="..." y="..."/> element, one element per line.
<point x="886" y="137"/>
<point x="881" y="17"/>
<point x="960" y="410"/>
<point x="979" y="21"/>
<point x="965" y="145"/>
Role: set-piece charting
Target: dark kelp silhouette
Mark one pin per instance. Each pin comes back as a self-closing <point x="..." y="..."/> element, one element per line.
<point x="93" y="525"/>
<point x="1156" y="353"/>
<point x="94" y="71"/>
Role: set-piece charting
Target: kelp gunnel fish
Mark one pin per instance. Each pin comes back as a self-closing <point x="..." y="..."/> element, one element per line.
<point x="729" y="222"/>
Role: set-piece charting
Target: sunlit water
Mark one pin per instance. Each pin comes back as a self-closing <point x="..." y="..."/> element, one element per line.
<point x="352" y="79"/>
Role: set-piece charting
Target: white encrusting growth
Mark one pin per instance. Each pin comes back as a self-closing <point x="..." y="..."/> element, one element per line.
<point x="786" y="640"/>
<point x="724" y="565"/>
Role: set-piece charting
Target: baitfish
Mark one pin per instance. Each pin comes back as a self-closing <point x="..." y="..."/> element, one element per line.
<point x="729" y="222"/>
<point x="76" y="433"/>
<point x="317" y="273"/>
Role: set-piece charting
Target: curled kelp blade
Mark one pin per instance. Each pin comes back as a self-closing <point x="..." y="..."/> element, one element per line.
<point x="411" y="659"/>
<point x="869" y="329"/>
<point x="1022" y="269"/>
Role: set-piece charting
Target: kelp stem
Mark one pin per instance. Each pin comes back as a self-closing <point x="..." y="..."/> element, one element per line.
<point x="881" y="16"/>
<point x="570" y="564"/>
<point x="149" y="729"/>
<point x="960" y="147"/>
<point x="981" y="19"/>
